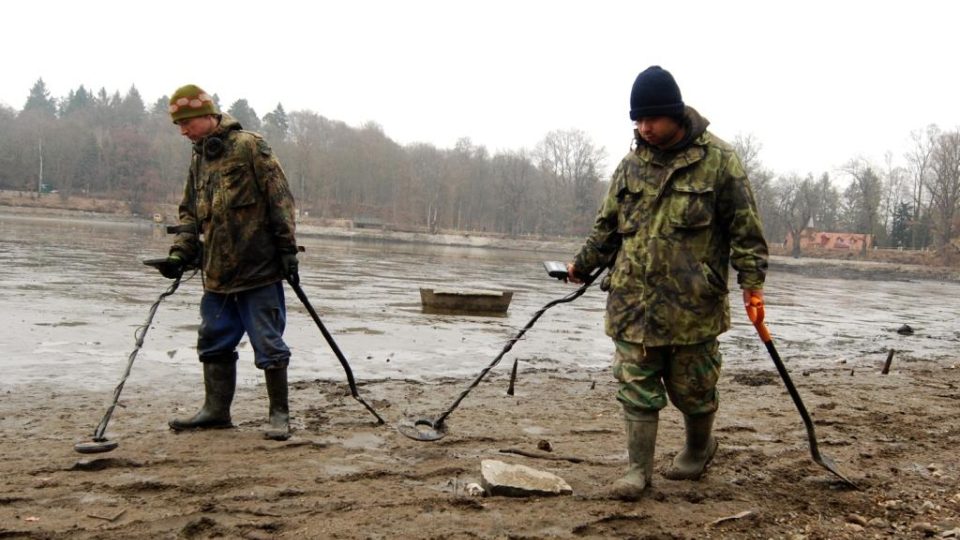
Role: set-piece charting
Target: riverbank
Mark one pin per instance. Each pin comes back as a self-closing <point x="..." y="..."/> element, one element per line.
<point x="561" y="248"/>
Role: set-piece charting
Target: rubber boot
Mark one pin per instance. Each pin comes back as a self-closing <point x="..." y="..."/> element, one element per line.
<point x="641" y="441"/>
<point x="701" y="445"/>
<point x="279" y="429"/>
<point x="219" y="382"/>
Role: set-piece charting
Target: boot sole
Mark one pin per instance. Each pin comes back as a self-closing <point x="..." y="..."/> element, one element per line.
<point x="181" y="427"/>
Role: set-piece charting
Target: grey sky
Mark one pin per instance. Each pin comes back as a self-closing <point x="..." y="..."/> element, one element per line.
<point x="816" y="82"/>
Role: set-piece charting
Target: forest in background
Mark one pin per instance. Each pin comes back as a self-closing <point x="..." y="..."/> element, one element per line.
<point x="113" y="146"/>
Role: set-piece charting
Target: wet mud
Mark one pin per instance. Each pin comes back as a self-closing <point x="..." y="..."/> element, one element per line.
<point x="75" y="293"/>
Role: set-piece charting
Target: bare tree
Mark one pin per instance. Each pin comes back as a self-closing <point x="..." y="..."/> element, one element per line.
<point x="918" y="168"/>
<point x="944" y="188"/>
<point x="797" y="201"/>
<point x="894" y="182"/>
<point x="863" y="198"/>
<point x="513" y="172"/>
<point x="575" y="163"/>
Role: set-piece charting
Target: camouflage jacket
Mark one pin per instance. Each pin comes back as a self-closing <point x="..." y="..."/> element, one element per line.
<point x="675" y="220"/>
<point x="239" y="197"/>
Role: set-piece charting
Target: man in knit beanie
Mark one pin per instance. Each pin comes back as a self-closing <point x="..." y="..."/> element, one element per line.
<point x="679" y="212"/>
<point x="236" y="225"/>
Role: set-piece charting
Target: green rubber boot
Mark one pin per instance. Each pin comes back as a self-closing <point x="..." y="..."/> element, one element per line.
<point x="279" y="429"/>
<point x="700" y="448"/>
<point x="219" y="382"/>
<point x="641" y="441"/>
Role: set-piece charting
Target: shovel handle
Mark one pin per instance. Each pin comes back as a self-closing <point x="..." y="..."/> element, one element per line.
<point x="755" y="313"/>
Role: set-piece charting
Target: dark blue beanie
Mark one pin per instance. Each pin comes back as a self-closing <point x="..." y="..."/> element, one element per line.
<point x="655" y="93"/>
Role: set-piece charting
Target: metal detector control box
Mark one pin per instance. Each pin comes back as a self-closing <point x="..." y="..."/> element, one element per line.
<point x="556" y="269"/>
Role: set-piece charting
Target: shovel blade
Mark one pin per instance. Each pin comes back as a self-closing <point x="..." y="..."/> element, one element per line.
<point x="827" y="463"/>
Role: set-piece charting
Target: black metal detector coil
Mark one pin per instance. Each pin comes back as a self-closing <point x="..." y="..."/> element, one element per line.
<point x="99" y="442"/>
<point x="433" y="429"/>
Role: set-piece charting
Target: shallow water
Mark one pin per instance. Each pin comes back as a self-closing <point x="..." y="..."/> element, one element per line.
<point x="76" y="291"/>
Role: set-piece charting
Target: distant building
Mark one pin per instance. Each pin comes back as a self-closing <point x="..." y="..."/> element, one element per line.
<point x="812" y="238"/>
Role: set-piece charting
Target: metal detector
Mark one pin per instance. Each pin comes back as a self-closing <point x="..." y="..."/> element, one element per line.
<point x="433" y="429"/>
<point x="99" y="442"/>
<point x="294" y="281"/>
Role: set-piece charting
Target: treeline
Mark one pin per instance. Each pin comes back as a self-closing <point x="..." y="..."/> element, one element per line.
<point x="910" y="203"/>
<point x="117" y="146"/>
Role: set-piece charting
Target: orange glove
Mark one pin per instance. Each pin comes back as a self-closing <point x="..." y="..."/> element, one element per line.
<point x="753" y="302"/>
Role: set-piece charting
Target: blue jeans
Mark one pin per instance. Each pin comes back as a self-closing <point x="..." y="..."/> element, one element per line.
<point x="260" y="312"/>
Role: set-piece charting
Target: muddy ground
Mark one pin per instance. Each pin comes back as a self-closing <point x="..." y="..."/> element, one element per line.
<point x="75" y="292"/>
<point x="343" y="476"/>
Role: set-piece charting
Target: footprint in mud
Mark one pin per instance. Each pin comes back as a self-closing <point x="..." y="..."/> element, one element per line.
<point x="104" y="463"/>
<point x="758" y="378"/>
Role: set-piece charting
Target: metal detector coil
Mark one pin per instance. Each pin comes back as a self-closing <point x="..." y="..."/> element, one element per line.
<point x="422" y="429"/>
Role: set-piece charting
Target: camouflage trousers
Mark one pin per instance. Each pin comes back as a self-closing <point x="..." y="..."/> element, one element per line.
<point x="686" y="373"/>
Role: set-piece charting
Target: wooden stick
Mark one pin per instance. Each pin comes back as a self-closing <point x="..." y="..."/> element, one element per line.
<point x="540" y="455"/>
<point x="886" y="366"/>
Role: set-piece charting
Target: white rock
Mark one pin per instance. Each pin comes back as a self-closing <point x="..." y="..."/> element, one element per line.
<point x="499" y="478"/>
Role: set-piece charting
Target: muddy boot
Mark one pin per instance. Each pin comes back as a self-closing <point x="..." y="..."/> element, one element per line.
<point x="641" y="441"/>
<point x="279" y="429"/>
<point x="701" y="445"/>
<point x="219" y="381"/>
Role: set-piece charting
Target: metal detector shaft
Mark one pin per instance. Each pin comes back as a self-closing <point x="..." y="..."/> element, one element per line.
<point x="569" y="298"/>
<point x="141" y="333"/>
<point x="818" y="458"/>
<point x="438" y="423"/>
<point x="295" y="285"/>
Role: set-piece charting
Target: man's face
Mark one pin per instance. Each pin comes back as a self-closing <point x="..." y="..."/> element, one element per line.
<point x="660" y="131"/>
<point x="197" y="127"/>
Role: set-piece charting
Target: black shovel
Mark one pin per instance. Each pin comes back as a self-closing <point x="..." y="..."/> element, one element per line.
<point x="755" y="313"/>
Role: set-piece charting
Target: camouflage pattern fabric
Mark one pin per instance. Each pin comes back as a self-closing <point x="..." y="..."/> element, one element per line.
<point x="238" y="195"/>
<point x="688" y="374"/>
<point x="676" y="220"/>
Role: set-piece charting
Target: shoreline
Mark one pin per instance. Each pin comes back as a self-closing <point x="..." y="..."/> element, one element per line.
<point x="806" y="266"/>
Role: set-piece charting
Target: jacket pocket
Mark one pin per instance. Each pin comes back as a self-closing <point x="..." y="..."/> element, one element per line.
<point x="239" y="187"/>
<point x="691" y="205"/>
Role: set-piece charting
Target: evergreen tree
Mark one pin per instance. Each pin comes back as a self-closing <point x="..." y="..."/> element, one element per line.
<point x="244" y="113"/>
<point x="132" y="110"/>
<point x="276" y="125"/>
<point x="161" y="107"/>
<point x="77" y="101"/>
<point x="40" y="101"/>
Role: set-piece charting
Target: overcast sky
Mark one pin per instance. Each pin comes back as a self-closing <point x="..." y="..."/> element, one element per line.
<point x="816" y="82"/>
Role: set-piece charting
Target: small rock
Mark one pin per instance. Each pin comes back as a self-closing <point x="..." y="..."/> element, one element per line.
<point x="544" y="445"/>
<point x="878" y="523"/>
<point x="857" y="519"/>
<point x="923" y="527"/>
<point x="475" y="490"/>
<point x="905" y="330"/>
<point x="952" y="533"/>
<point x="499" y="478"/>
<point x="852" y="527"/>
